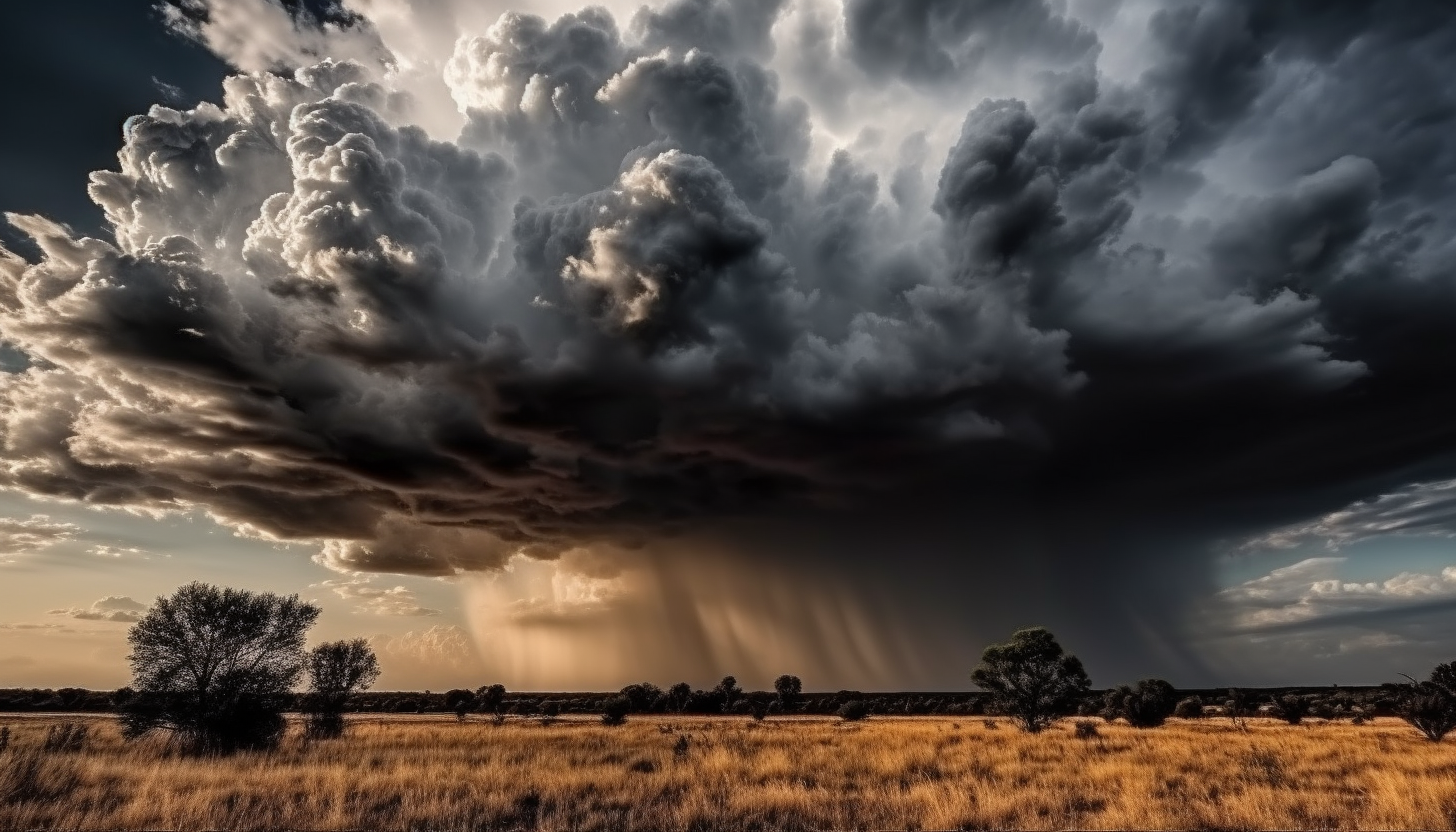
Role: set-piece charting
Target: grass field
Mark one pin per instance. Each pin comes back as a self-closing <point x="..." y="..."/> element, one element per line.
<point x="424" y="773"/>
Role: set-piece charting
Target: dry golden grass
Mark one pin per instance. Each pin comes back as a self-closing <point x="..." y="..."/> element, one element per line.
<point x="918" y="773"/>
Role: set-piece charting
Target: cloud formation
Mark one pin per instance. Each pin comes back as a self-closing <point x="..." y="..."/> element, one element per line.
<point x="596" y="280"/>
<point x="115" y="608"/>
<point x="396" y="601"/>
<point x="34" y="534"/>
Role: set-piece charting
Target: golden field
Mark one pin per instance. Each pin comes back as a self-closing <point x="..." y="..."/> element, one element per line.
<point x="431" y="773"/>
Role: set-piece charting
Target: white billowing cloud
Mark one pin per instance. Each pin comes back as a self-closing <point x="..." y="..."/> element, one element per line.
<point x="444" y="656"/>
<point x="115" y="608"/>
<point x="262" y="35"/>
<point x="395" y="601"/>
<point x="1421" y="509"/>
<point x="1311" y="590"/>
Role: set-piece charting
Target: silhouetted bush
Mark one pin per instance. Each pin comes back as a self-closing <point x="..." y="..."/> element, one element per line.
<point x="1237" y="708"/>
<point x="488" y="698"/>
<point x="853" y="711"/>
<point x="1430" y="705"/>
<point x="1147" y="704"/>
<point x="642" y="696"/>
<point x="1189" y="708"/>
<point x="1291" y="708"/>
<point x="615" y="710"/>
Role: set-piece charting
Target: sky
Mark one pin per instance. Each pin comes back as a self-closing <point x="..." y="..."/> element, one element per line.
<point x="571" y="346"/>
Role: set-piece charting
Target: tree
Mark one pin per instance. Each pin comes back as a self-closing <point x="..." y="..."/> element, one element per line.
<point x="215" y="666"/>
<point x="336" y="670"/>
<point x="490" y="697"/>
<point x="1147" y="704"/>
<point x="729" y="693"/>
<point x="678" y="696"/>
<point x="789" y="689"/>
<point x="1032" y="679"/>
<point x="460" y="701"/>
<point x="1430" y="706"/>
<point x="1237" y="708"/>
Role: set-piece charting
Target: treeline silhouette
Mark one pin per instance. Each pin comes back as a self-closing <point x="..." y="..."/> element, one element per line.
<point x="1329" y="702"/>
<point x="217" y="669"/>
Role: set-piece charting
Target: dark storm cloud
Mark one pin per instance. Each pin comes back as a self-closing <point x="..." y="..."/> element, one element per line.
<point x="942" y="40"/>
<point x="630" y="300"/>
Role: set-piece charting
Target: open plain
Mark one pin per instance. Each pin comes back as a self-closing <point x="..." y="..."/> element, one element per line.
<point x="669" y="773"/>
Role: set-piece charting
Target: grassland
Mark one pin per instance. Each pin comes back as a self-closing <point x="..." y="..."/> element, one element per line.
<point x="424" y="773"/>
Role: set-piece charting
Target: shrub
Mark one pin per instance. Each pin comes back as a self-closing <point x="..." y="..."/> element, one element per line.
<point x="1430" y="709"/>
<point x="615" y="710"/>
<point x="1237" y="708"/>
<point x="1190" y="708"/>
<point x="1147" y="704"/>
<point x="488" y="698"/>
<point x="1290" y="708"/>
<point x="853" y="711"/>
<point x="1032" y="679"/>
<point x="1085" y="729"/>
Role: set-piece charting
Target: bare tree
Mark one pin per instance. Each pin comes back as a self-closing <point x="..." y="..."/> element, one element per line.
<point x="336" y="670"/>
<point x="215" y="666"/>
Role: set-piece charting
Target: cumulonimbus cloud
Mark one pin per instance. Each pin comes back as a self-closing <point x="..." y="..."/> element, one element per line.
<point x="626" y="281"/>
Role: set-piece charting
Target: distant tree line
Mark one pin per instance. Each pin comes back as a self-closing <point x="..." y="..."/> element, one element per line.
<point x="216" y="669"/>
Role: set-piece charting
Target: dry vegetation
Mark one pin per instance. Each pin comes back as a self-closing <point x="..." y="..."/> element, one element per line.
<point x="734" y="774"/>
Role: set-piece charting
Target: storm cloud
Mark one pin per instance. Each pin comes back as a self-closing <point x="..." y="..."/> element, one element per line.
<point x="609" y="282"/>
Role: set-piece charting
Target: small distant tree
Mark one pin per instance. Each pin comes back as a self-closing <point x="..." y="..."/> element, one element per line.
<point x="728" y="693"/>
<point x="642" y="696"/>
<point x="1291" y="708"/>
<point x="678" y="696"/>
<point x="336" y="671"/>
<point x="488" y="698"/>
<point x="1238" y="708"/>
<point x="1189" y="708"/>
<point x="615" y="710"/>
<point x="789" y="689"/>
<point x="1430" y="706"/>
<point x="215" y="667"/>
<point x="1032" y="679"/>
<point x="460" y="701"/>
<point x="1147" y="704"/>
